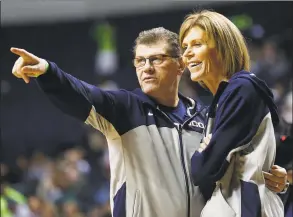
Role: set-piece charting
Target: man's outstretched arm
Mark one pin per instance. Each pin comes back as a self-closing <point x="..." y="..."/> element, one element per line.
<point x="73" y="96"/>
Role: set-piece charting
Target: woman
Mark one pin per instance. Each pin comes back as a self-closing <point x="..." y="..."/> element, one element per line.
<point x="241" y="120"/>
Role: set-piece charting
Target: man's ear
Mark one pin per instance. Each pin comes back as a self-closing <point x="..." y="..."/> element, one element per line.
<point x="181" y="65"/>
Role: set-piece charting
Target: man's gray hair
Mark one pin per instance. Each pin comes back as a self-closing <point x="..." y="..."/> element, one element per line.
<point x="159" y="35"/>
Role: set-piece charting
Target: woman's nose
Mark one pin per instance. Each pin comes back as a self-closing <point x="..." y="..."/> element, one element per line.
<point x="187" y="52"/>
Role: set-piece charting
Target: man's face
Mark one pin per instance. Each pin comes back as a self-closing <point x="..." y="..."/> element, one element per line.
<point x="160" y="73"/>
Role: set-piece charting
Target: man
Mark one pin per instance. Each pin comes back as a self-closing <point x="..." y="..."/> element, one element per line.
<point x="152" y="132"/>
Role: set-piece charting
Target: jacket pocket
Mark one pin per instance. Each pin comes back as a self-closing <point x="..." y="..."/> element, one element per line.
<point x="217" y="206"/>
<point x="136" y="204"/>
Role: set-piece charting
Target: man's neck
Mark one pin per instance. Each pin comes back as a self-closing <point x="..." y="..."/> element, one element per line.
<point x="170" y="100"/>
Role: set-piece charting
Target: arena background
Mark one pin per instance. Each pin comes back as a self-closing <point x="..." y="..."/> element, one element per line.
<point x="93" y="41"/>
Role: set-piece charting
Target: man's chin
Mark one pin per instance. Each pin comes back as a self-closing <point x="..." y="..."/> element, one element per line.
<point x="149" y="90"/>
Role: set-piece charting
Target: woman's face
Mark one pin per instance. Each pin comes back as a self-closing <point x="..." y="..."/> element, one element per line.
<point x="200" y="55"/>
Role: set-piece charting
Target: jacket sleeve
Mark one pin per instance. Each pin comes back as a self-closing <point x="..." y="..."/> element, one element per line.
<point x="78" y="98"/>
<point x="238" y="116"/>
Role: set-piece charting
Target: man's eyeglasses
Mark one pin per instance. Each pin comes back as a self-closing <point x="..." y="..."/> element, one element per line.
<point x="154" y="60"/>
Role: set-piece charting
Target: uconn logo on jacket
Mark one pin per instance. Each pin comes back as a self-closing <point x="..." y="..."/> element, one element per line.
<point x="194" y="123"/>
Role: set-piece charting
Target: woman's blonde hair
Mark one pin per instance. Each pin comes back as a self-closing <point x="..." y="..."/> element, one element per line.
<point x="230" y="43"/>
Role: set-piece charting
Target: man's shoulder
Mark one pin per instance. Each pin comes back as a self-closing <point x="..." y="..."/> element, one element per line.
<point x="128" y="94"/>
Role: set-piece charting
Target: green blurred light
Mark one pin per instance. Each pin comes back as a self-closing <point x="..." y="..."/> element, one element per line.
<point x="106" y="37"/>
<point x="242" y="21"/>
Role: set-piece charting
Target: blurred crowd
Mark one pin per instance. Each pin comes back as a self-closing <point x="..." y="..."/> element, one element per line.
<point x="75" y="182"/>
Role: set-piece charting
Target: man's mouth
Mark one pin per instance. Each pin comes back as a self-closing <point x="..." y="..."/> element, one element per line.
<point x="149" y="79"/>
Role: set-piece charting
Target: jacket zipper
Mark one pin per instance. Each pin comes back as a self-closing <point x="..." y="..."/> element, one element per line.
<point x="184" y="168"/>
<point x="179" y="130"/>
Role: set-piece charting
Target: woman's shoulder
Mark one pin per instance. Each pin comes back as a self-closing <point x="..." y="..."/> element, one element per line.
<point x="242" y="82"/>
<point x="241" y="87"/>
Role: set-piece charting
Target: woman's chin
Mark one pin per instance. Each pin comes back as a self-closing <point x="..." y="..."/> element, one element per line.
<point x="195" y="77"/>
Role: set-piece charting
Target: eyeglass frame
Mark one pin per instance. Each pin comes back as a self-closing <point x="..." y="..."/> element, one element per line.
<point x="151" y="61"/>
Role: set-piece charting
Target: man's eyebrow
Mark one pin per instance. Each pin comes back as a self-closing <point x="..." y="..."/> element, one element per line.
<point x="159" y="54"/>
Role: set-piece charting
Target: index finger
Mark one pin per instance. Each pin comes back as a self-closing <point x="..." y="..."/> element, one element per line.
<point x="267" y="175"/>
<point x="23" y="53"/>
<point x="273" y="178"/>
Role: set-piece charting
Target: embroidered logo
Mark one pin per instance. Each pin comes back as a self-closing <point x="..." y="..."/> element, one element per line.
<point x="196" y="124"/>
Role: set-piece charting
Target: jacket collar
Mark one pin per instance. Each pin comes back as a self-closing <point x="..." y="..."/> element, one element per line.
<point x="193" y="106"/>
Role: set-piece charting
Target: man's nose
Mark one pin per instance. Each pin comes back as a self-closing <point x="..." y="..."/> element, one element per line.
<point x="148" y="67"/>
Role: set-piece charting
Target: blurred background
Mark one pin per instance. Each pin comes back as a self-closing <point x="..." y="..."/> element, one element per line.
<point x="53" y="165"/>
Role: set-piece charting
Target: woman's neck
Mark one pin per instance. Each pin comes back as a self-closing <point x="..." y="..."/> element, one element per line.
<point x="213" y="83"/>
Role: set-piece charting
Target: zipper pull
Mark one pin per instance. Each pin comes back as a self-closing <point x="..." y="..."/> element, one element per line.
<point x="179" y="127"/>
